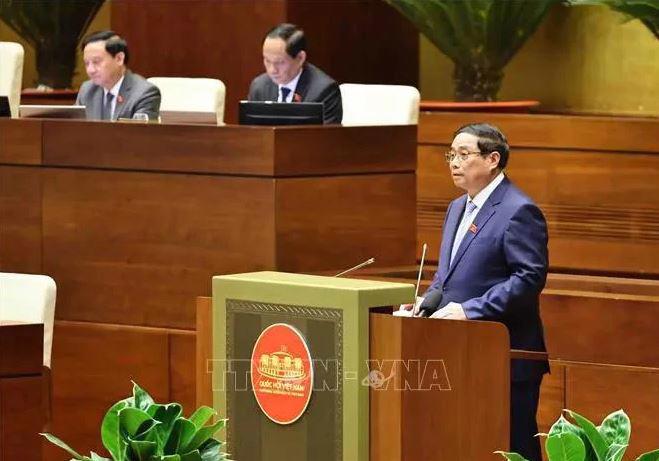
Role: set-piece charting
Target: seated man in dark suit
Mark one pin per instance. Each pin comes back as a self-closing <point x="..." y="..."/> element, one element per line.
<point x="289" y="77"/>
<point x="112" y="90"/>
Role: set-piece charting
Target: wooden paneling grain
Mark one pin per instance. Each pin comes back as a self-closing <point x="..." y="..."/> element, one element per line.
<point x="552" y="396"/>
<point x="600" y="328"/>
<point x="20" y="219"/>
<point x="312" y="212"/>
<point x="627" y="134"/>
<point x="385" y="408"/>
<point x="336" y="150"/>
<point x="93" y="366"/>
<point x="21" y="418"/>
<point x="136" y="248"/>
<point x="177" y="148"/>
<point x="20" y="141"/>
<point x="182" y="388"/>
<point x="204" y="351"/>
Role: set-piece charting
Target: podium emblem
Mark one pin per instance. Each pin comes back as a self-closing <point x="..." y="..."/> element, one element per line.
<point x="282" y="373"/>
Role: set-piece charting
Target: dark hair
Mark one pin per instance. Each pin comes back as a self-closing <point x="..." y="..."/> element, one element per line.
<point x="490" y="139"/>
<point x="292" y="35"/>
<point x="113" y="43"/>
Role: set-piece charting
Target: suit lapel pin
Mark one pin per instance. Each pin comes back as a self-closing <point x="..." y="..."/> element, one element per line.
<point x="120" y="99"/>
<point x="297" y="97"/>
<point x="473" y="228"/>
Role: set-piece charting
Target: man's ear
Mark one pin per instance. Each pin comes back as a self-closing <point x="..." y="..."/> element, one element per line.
<point x="119" y="57"/>
<point x="495" y="158"/>
<point x="301" y="57"/>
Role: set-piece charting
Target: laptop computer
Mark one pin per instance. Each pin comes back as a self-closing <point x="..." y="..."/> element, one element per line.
<point x="51" y="111"/>
<point x="280" y="113"/>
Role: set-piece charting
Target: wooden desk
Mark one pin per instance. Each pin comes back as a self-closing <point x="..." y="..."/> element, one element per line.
<point x="21" y="415"/>
<point x="132" y="221"/>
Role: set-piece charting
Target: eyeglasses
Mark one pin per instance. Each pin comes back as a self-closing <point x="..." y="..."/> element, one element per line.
<point x="462" y="155"/>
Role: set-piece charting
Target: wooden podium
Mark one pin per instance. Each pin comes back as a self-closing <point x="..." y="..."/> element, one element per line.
<point x="384" y="388"/>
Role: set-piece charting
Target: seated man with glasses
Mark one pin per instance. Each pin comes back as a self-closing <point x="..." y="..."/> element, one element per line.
<point x="493" y="265"/>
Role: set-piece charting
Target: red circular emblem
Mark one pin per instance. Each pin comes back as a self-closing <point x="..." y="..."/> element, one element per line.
<point x="282" y="373"/>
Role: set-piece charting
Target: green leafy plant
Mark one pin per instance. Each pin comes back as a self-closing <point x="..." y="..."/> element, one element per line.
<point x="647" y="11"/>
<point x="581" y="440"/>
<point x="479" y="36"/>
<point x="138" y="429"/>
<point x="54" y="28"/>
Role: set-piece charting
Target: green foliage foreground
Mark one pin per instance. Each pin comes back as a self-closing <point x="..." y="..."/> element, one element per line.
<point x="583" y="441"/>
<point x="138" y="429"/>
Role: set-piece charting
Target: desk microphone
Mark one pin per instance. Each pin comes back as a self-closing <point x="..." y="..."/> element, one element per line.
<point x="358" y="266"/>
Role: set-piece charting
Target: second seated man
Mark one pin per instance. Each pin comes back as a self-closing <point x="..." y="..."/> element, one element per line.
<point x="288" y="77"/>
<point x="112" y="90"/>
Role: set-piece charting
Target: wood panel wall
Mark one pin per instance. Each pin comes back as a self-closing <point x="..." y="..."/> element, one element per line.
<point x="222" y="39"/>
<point x="132" y="221"/>
<point x="595" y="178"/>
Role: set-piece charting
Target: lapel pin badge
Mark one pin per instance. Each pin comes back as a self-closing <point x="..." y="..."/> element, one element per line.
<point x="473" y="228"/>
<point x="297" y="97"/>
<point x="120" y="99"/>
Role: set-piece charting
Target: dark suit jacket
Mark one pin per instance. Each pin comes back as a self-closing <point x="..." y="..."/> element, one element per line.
<point x="499" y="269"/>
<point x="314" y="85"/>
<point x="136" y="95"/>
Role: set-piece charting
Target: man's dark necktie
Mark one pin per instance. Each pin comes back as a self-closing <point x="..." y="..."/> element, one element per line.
<point x="284" y="93"/>
<point x="106" y="113"/>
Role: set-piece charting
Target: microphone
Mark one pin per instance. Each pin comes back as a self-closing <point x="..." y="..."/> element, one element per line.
<point x="358" y="266"/>
<point x="432" y="302"/>
<point x="415" y="309"/>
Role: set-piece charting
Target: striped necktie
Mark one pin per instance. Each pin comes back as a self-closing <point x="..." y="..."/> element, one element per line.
<point x="467" y="219"/>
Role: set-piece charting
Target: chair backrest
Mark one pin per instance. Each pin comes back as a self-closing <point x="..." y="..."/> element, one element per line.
<point x="379" y="104"/>
<point x="30" y="298"/>
<point x="191" y="95"/>
<point x="11" y="73"/>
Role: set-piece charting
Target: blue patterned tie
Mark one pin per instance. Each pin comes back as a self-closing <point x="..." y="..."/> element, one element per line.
<point x="284" y="93"/>
<point x="462" y="228"/>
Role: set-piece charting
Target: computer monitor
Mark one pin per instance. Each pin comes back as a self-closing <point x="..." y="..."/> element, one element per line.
<point x="280" y="113"/>
<point x="51" y="111"/>
<point x="5" y="110"/>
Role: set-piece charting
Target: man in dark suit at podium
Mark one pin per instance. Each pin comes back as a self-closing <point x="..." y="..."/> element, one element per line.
<point x="289" y="77"/>
<point x="493" y="265"/>
<point x="112" y="90"/>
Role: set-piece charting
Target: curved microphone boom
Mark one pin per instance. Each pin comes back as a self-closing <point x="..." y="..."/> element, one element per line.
<point x="358" y="266"/>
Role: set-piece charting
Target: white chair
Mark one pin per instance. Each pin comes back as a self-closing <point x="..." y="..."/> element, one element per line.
<point x="30" y="298"/>
<point x="191" y="95"/>
<point x="11" y="73"/>
<point x="379" y="104"/>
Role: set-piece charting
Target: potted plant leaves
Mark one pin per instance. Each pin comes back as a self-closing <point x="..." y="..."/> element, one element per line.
<point x="479" y="36"/>
<point x="54" y="28"/>
<point x="138" y="429"/>
<point x="646" y="11"/>
<point x="581" y="440"/>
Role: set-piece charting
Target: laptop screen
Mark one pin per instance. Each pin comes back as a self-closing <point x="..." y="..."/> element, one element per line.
<point x="280" y="113"/>
<point x="51" y="111"/>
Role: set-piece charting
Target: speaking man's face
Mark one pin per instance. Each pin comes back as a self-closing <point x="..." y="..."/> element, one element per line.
<point x="102" y="68"/>
<point x="470" y="170"/>
<point x="279" y="66"/>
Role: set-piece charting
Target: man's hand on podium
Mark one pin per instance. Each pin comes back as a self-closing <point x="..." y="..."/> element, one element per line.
<point x="452" y="311"/>
<point x="408" y="310"/>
